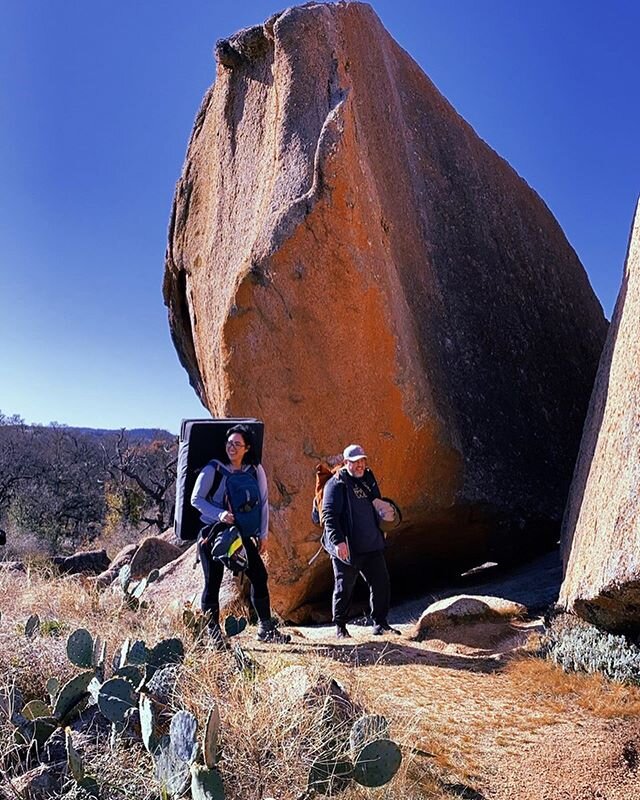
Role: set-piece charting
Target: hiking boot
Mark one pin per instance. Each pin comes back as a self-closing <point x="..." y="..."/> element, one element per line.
<point x="342" y="632"/>
<point x="381" y="628"/>
<point x="215" y="637"/>
<point x="267" y="632"/>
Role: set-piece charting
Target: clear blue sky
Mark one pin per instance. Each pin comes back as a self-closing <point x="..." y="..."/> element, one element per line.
<point x="97" y="99"/>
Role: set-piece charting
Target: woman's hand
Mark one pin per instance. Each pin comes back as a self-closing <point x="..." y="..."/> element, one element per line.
<point x="227" y="517"/>
<point x="342" y="550"/>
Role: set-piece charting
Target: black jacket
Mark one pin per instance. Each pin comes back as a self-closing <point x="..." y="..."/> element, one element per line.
<point x="336" y="508"/>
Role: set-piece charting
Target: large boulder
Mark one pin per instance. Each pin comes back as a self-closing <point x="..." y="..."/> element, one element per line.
<point x="349" y="261"/>
<point x="601" y="527"/>
<point x="153" y="552"/>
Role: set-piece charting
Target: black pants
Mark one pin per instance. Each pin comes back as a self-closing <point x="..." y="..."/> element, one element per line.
<point x="373" y="568"/>
<point x="213" y="571"/>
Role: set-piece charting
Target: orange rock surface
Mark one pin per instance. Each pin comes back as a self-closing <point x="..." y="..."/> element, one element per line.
<point x="601" y="527"/>
<point x="348" y="261"/>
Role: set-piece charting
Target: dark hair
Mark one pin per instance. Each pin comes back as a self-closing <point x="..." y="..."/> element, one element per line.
<point x="249" y="456"/>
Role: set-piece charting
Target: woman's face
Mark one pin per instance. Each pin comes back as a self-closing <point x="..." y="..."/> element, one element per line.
<point x="236" y="448"/>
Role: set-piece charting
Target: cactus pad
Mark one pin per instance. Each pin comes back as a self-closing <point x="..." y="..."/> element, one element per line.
<point x="377" y="763"/>
<point x="35" y="709"/>
<point x="183" y="731"/>
<point x="116" y="696"/>
<point x="72" y="695"/>
<point x="124" y="576"/>
<point x="37" y="730"/>
<point x="367" y="729"/>
<point x="172" y="773"/>
<point x="210" y="737"/>
<point x="130" y="673"/>
<point x="206" y="784"/>
<point x="74" y="762"/>
<point x="168" y="651"/>
<point x="148" y="723"/>
<point x="53" y="687"/>
<point x="234" y="625"/>
<point x="80" y="648"/>
<point x="32" y="626"/>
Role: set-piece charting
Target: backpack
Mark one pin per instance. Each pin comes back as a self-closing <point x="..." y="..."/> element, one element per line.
<point x="227" y="546"/>
<point x="323" y="473"/>
<point x="243" y="496"/>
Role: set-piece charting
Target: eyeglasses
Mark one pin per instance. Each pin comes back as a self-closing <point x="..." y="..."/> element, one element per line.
<point x="236" y="445"/>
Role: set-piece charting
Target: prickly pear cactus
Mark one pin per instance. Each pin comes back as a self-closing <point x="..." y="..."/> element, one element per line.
<point x="124" y="576"/>
<point x="161" y="685"/>
<point x="53" y="687"/>
<point x="148" y="723"/>
<point x="234" y="625"/>
<point x="168" y="651"/>
<point x="35" y="731"/>
<point x="35" y="709"/>
<point x="210" y="737"/>
<point x="377" y="763"/>
<point x="206" y="784"/>
<point x="74" y="762"/>
<point x="367" y="729"/>
<point x="116" y="696"/>
<point x="72" y="696"/>
<point x="171" y="772"/>
<point x="329" y="775"/>
<point x="80" y="648"/>
<point x="32" y="626"/>
<point x="183" y="732"/>
<point x="130" y="673"/>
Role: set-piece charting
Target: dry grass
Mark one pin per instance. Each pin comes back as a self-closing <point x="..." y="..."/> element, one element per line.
<point x="454" y="718"/>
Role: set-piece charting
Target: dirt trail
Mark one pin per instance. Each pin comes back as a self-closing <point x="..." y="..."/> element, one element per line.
<point x="496" y="732"/>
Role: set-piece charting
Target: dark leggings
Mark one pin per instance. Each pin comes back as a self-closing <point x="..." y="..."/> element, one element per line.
<point x="213" y="571"/>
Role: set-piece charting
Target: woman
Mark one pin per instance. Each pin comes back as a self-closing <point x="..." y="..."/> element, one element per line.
<point x="212" y="500"/>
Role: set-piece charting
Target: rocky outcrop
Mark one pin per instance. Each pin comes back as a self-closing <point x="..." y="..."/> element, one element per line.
<point x="153" y="553"/>
<point x="90" y="562"/>
<point x="601" y="527"/>
<point x="348" y="261"/>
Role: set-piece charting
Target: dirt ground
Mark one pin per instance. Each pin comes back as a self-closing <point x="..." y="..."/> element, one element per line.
<point x="486" y="713"/>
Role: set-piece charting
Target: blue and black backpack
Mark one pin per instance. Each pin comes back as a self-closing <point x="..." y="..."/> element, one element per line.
<point x="243" y="497"/>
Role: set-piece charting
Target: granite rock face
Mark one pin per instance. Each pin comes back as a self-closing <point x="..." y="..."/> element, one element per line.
<point x="349" y="261"/>
<point x="601" y="527"/>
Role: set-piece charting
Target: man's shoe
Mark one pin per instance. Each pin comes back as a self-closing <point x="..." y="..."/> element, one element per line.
<point x="342" y="632"/>
<point x="381" y="628"/>
<point x="267" y="632"/>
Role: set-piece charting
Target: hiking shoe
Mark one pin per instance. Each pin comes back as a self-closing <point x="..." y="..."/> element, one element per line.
<point x="267" y="632"/>
<point x="381" y="628"/>
<point x="215" y="637"/>
<point x="342" y="632"/>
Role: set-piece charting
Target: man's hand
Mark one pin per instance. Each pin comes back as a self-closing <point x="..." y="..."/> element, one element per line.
<point x="227" y="517"/>
<point x="342" y="551"/>
<point x="261" y="545"/>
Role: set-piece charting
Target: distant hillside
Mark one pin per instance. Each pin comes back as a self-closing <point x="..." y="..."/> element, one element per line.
<point x="133" y="434"/>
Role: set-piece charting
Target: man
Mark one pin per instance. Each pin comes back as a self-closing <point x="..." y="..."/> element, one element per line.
<point x="353" y="539"/>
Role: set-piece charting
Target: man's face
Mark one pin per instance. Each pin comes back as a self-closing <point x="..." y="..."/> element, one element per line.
<point x="357" y="468"/>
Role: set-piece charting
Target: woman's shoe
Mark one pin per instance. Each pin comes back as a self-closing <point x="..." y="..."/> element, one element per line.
<point x="268" y="632"/>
